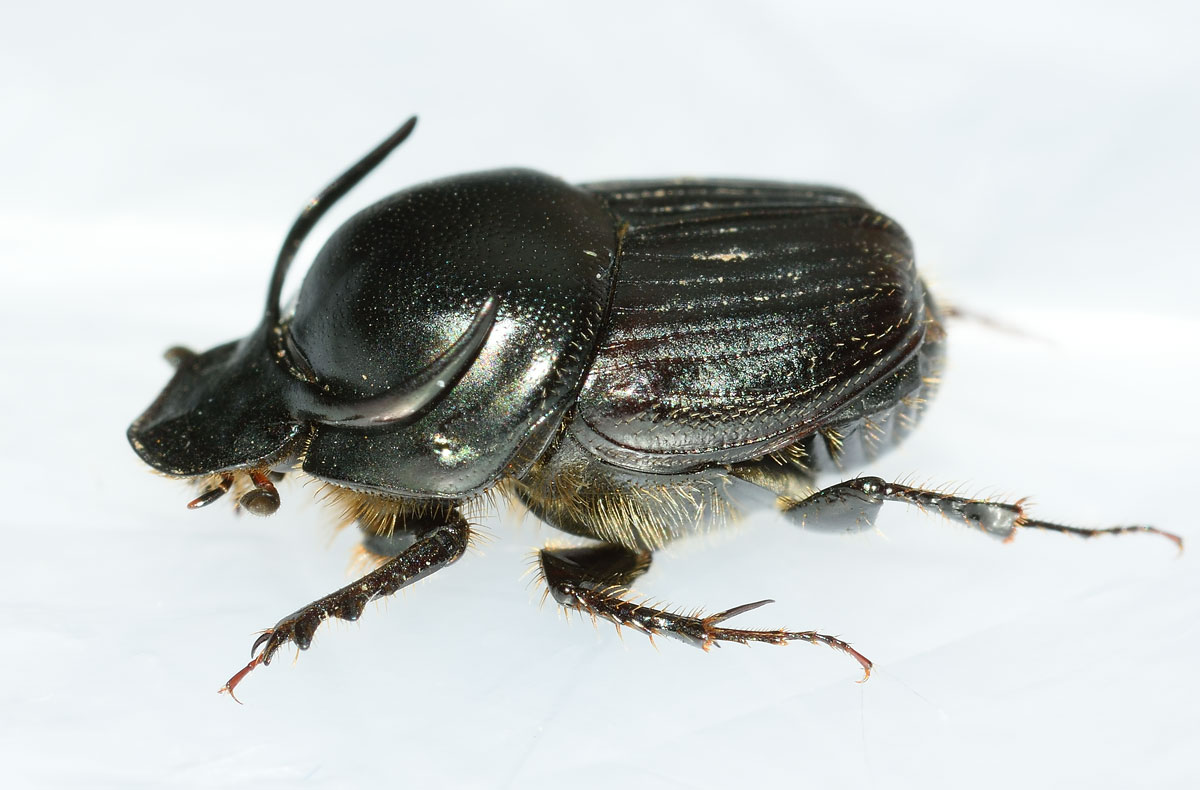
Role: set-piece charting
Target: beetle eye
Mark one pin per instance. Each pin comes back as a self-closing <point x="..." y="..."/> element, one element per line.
<point x="297" y="364"/>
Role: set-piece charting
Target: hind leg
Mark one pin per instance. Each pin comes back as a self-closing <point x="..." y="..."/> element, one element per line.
<point x="859" y="500"/>
<point x="852" y="505"/>
<point x="856" y="503"/>
<point x="595" y="580"/>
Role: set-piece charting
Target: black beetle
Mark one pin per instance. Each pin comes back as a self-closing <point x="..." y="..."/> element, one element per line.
<point x="618" y="357"/>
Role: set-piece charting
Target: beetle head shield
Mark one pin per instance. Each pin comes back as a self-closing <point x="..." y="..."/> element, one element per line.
<point x="223" y="409"/>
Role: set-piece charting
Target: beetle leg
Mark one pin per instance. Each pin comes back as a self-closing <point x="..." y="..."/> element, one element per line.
<point x="860" y="499"/>
<point x="595" y="579"/>
<point x="435" y="548"/>
<point x="376" y="549"/>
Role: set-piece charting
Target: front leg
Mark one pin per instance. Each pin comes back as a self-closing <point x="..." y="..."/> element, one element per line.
<point x="436" y="547"/>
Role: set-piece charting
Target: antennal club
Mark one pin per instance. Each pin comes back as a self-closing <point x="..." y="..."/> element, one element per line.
<point x="263" y="498"/>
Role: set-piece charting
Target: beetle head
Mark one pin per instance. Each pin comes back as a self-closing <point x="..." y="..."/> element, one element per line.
<point x="436" y="341"/>
<point x="224" y="409"/>
<point x="234" y="407"/>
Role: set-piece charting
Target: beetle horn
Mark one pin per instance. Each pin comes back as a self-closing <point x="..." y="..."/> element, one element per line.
<point x="317" y="207"/>
<point x="423" y="389"/>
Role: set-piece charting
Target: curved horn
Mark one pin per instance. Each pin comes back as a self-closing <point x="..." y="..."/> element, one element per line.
<point x="318" y="206"/>
<point x="424" y="389"/>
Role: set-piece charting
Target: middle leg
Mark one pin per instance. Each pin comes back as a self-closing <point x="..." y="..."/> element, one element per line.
<point x="595" y="580"/>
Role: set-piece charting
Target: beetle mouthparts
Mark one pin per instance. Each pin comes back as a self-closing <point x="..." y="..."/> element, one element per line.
<point x="212" y="493"/>
<point x="262" y="498"/>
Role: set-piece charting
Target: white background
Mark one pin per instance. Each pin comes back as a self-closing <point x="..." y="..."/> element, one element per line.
<point x="1042" y="156"/>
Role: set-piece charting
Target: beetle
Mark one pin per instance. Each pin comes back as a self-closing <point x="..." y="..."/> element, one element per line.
<point x="616" y="357"/>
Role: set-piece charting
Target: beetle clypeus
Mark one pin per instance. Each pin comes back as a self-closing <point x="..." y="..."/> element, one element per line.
<point x="615" y="356"/>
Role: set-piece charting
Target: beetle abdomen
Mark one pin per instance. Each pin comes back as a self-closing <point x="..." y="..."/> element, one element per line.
<point x="745" y="315"/>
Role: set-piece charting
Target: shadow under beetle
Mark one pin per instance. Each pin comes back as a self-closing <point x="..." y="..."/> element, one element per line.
<point x="618" y="357"/>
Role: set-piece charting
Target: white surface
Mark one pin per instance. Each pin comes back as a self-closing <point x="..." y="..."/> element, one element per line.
<point x="1043" y="158"/>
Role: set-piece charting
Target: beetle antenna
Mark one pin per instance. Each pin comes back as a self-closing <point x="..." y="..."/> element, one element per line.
<point x="263" y="498"/>
<point x="317" y="207"/>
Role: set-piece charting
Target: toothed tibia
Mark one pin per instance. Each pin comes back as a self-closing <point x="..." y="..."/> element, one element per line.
<point x="436" y="546"/>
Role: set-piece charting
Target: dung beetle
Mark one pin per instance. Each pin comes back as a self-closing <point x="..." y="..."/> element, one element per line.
<point x="620" y="358"/>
